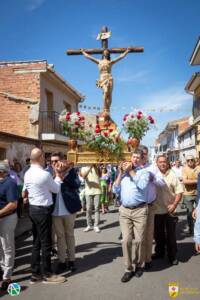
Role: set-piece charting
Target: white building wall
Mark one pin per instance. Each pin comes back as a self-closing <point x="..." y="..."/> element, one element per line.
<point x="187" y="144"/>
<point x="59" y="96"/>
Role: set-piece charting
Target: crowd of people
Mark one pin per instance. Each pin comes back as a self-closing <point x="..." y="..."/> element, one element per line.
<point x="148" y="195"/>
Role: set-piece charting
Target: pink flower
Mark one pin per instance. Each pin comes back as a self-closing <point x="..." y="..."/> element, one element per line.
<point x="76" y="123"/>
<point x="78" y="113"/>
<point x="67" y="117"/>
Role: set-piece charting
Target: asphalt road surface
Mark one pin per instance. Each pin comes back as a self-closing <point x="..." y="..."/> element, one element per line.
<point x="100" y="268"/>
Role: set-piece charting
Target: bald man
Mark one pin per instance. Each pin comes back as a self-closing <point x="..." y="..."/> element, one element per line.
<point x="39" y="185"/>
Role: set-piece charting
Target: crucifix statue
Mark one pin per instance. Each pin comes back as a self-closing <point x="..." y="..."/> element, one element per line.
<point x="105" y="81"/>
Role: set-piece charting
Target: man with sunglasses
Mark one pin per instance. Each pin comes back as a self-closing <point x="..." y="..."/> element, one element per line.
<point x="190" y="173"/>
<point x="55" y="157"/>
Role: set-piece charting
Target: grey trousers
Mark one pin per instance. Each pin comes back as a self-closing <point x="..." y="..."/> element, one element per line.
<point x="7" y="244"/>
<point x="90" y="201"/>
<point x="64" y="229"/>
<point x="133" y="225"/>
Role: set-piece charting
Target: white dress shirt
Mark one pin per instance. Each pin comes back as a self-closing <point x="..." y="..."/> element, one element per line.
<point x="40" y="186"/>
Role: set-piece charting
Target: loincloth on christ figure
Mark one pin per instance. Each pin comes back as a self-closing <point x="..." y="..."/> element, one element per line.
<point x="105" y="83"/>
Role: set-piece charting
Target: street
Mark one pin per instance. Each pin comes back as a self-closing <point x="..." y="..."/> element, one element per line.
<point x="100" y="268"/>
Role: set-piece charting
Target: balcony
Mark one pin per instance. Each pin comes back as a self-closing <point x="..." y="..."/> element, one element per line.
<point x="50" y="127"/>
<point x="49" y="122"/>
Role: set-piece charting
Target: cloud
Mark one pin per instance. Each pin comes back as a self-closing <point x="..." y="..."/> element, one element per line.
<point x="34" y="4"/>
<point x="139" y="77"/>
<point x="172" y="98"/>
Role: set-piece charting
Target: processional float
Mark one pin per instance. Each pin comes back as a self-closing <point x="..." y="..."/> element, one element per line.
<point x="102" y="143"/>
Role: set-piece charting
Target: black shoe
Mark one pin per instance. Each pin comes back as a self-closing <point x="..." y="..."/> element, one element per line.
<point x="5" y="284"/>
<point x="71" y="266"/>
<point x="35" y="279"/>
<point x="138" y="272"/>
<point x="191" y="231"/>
<point x="174" y="262"/>
<point x="127" y="276"/>
<point x="54" y="252"/>
<point x="61" y="268"/>
<point x="157" y="256"/>
<point x="148" y="266"/>
<point x="120" y="237"/>
<point x="1" y="275"/>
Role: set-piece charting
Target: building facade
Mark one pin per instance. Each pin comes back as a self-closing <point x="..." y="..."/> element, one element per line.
<point x="193" y="87"/>
<point x="187" y="142"/>
<point x="168" y="140"/>
<point x="32" y="95"/>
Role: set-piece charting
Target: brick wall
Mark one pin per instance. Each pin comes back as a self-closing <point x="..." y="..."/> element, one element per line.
<point x="14" y="79"/>
<point x="14" y="117"/>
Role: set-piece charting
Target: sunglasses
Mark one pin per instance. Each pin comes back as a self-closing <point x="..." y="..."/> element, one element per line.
<point x="190" y="160"/>
<point x="54" y="161"/>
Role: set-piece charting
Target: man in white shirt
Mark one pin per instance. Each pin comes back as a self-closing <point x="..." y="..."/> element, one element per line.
<point x="39" y="186"/>
<point x="92" y="194"/>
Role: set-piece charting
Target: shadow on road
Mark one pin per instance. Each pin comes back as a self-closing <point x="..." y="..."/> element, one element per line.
<point x="106" y="254"/>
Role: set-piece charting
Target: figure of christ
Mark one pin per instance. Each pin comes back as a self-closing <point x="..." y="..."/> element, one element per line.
<point x="105" y="81"/>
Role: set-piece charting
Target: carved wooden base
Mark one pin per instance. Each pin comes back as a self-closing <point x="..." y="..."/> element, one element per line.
<point x="89" y="157"/>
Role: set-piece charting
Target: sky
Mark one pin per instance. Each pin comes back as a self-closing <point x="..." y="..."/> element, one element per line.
<point x="152" y="81"/>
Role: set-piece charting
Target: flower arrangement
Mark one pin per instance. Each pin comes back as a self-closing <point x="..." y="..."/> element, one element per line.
<point x="136" y="124"/>
<point x="106" y="141"/>
<point x="73" y="125"/>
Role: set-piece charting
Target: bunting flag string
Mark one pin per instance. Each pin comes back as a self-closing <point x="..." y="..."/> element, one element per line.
<point x="118" y="109"/>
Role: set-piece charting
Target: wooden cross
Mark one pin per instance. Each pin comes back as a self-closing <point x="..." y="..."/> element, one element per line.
<point x="104" y="45"/>
<point x="105" y="81"/>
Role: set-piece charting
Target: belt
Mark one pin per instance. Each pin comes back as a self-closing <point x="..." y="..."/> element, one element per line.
<point x="134" y="207"/>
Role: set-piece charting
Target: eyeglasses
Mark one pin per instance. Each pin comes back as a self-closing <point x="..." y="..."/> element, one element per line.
<point x="54" y="161"/>
<point x="190" y="160"/>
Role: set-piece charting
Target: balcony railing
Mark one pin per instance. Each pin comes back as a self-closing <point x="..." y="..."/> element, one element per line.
<point x="49" y="122"/>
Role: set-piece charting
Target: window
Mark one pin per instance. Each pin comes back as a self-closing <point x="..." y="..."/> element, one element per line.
<point x="67" y="106"/>
<point x="49" y="96"/>
<point x="196" y="106"/>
